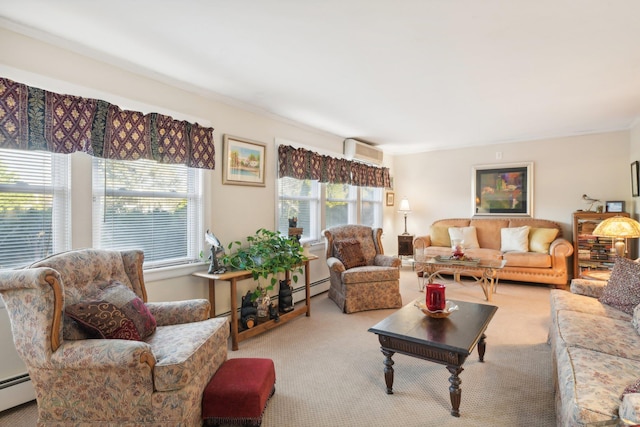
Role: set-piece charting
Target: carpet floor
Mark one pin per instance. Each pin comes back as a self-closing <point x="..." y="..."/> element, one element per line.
<point x="329" y="368"/>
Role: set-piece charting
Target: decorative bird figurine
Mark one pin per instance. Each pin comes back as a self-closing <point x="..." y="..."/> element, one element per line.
<point x="590" y="200"/>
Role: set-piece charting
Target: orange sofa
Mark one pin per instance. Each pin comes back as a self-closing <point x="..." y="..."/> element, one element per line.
<point x="543" y="259"/>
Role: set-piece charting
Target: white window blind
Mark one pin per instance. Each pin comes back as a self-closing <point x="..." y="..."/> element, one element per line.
<point x="371" y="206"/>
<point x="340" y="205"/>
<point x="150" y="206"/>
<point x="299" y="198"/>
<point x="34" y="206"/>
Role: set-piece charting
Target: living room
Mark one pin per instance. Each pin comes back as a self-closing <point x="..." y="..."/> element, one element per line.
<point x="437" y="183"/>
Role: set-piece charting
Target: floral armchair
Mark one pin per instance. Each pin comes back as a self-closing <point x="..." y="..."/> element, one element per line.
<point x="361" y="276"/>
<point x="155" y="378"/>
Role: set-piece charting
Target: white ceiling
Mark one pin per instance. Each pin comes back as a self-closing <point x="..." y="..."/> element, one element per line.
<point x="411" y="75"/>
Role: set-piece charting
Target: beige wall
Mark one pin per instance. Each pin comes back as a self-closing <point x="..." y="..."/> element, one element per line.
<point x="438" y="184"/>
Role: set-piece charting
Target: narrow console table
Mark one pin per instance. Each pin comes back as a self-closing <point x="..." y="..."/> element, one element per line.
<point x="233" y="277"/>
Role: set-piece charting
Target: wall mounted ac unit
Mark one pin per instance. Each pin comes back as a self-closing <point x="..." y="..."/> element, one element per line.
<point x="356" y="150"/>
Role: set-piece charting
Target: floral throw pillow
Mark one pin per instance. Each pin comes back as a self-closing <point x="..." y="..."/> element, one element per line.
<point x="623" y="289"/>
<point x="115" y="312"/>
<point x="350" y="253"/>
<point x="631" y="388"/>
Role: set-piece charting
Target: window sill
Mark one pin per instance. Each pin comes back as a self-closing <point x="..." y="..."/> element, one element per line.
<point x="163" y="273"/>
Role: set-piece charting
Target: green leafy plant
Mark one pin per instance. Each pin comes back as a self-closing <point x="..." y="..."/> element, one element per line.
<point x="268" y="253"/>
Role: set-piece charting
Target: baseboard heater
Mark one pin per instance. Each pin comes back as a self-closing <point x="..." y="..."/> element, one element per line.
<point x="15" y="391"/>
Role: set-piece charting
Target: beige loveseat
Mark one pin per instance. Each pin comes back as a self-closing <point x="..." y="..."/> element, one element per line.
<point x="595" y="341"/>
<point x="544" y="261"/>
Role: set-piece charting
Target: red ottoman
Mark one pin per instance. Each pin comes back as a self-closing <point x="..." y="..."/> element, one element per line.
<point x="238" y="392"/>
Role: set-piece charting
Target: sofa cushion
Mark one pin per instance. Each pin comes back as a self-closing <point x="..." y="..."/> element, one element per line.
<point x="612" y="336"/>
<point x="466" y="234"/>
<point x="370" y="273"/>
<point x="540" y="239"/>
<point x="623" y="289"/>
<point x="590" y="383"/>
<point x="350" y="253"/>
<point x="115" y="312"/>
<point x="440" y="236"/>
<point x="527" y="259"/>
<point x="563" y="300"/>
<point x="515" y="239"/>
<point x="488" y="231"/>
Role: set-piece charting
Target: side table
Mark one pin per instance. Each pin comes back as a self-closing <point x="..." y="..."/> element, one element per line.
<point x="405" y="245"/>
<point x="233" y="277"/>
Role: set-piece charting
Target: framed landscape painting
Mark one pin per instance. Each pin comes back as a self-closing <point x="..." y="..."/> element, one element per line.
<point x="503" y="190"/>
<point x="243" y="162"/>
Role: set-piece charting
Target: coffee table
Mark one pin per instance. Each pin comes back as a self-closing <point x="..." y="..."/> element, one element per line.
<point x="447" y="341"/>
<point x="488" y="278"/>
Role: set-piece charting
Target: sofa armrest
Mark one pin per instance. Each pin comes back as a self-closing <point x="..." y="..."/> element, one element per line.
<point x="101" y="354"/>
<point x="176" y="312"/>
<point x="387" y="261"/>
<point x="335" y="265"/>
<point x="421" y="242"/>
<point x="587" y="287"/>
<point x="629" y="410"/>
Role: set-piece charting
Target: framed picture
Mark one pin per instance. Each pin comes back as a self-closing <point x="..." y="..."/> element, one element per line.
<point x="504" y="189"/>
<point x="615" y="206"/>
<point x="243" y="162"/>
<point x="634" y="179"/>
<point x="391" y="198"/>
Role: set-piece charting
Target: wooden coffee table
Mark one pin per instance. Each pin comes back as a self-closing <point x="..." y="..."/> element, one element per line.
<point x="447" y="341"/>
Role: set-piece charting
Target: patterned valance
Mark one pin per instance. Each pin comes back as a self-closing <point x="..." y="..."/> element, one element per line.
<point x="304" y="164"/>
<point x="36" y="119"/>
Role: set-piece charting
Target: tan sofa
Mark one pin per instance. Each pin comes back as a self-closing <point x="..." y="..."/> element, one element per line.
<point x="549" y="266"/>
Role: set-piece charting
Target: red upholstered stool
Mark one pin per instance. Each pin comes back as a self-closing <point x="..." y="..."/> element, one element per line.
<point x="238" y="392"/>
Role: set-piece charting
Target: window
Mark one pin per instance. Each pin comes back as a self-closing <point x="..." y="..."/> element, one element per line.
<point x="299" y="199"/>
<point x="150" y="206"/>
<point x="340" y="205"/>
<point x="34" y="206"/>
<point x="343" y="204"/>
<point x="371" y="206"/>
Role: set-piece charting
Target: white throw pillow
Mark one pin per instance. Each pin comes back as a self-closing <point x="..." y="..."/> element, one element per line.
<point x="466" y="234"/>
<point x="515" y="239"/>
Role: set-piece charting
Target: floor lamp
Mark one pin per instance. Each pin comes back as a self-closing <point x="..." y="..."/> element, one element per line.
<point x="404" y="209"/>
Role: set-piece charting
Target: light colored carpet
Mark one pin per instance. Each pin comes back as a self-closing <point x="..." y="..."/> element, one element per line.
<point x="330" y="373"/>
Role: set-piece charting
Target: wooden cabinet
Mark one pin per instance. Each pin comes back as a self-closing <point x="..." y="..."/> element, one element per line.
<point x="405" y="245"/>
<point x="593" y="256"/>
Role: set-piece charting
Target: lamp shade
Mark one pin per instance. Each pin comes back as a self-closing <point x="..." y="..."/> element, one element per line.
<point x="404" y="206"/>
<point x="618" y="226"/>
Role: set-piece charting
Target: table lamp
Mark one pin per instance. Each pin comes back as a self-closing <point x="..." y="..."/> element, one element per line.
<point x="618" y="228"/>
<point x="404" y="209"/>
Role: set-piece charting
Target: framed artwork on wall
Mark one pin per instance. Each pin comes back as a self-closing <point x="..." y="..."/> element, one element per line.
<point x="503" y="189"/>
<point x="634" y="179"/>
<point x="243" y="161"/>
<point x="391" y="198"/>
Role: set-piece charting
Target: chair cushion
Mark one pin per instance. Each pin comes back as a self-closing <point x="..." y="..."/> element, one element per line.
<point x="115" y="312"/>
<point x="350" y="253"/>
<point x="540" y="239"/>
<point x="623" y="289"/>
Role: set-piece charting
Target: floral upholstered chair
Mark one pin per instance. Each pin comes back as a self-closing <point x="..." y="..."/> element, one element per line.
<point x="98" y="354"/>
<point x="362" y="277"/>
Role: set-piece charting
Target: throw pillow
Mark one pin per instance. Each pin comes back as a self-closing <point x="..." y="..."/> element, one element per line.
<point x="468" y="236"/>
<point x="115" y="312"/>
<point x="440" y="236"/>
<point x="350" y="253"/>
<point x="540" y="239"/>
<point x="623" y="288"/>
<point x="514" y="239"/>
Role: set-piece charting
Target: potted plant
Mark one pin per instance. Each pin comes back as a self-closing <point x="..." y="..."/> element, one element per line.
<point x="268" y="254"/>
